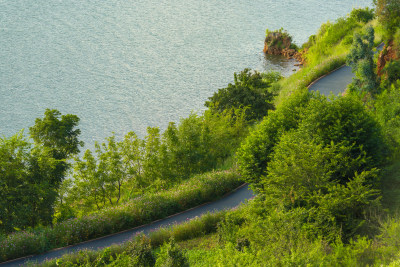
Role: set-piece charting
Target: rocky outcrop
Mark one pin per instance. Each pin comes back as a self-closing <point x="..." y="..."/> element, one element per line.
<point x="276" y="42"/>
<point x="280" y="43"/>
<point x="388" y="53"/>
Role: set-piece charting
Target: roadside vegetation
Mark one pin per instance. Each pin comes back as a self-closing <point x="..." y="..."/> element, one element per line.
<point x="325" y="169"/>
<point x="122" y="183"/>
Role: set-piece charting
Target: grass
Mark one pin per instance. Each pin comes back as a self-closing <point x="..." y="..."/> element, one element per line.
<point x="198" y="232"/>
<point x="145" y="209"/>
<point x="206" y="242"/>
<point x="326" y="54"/>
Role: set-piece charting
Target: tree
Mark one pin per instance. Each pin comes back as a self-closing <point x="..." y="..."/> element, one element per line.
<point x="255" y="152"/>
<point x="388" y="12"/>
<point x="30" y="177"/>
<point x="89" y="185"/>
<point x="55" y="142"/>
<point x="14" y="186"/>
<point x="250" y="89"/>
<point x="58" y="133"/>
<point x="362" y="63"/>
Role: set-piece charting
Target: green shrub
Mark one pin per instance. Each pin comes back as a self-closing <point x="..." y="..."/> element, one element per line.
<point x="362" y="15"/>
<point x="137" y="249"/>
<point x="140" y="251"/>
<point x="254" y="154"/>
<point x="140" y="211"/>
<point x="392" y="71"/>
<point x="250" y="90"/>
<point x="171" y="256"/>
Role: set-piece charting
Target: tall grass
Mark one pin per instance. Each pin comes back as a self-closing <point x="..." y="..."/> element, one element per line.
<point x="142" y="210"/>
<point x="326" y="52"/>
<point x="304" y="77"/>
<point x="200" y="226"/>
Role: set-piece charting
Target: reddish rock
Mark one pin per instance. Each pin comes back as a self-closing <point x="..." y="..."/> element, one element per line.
<point x="280" y="43"/>
<point x="387" y="54"/>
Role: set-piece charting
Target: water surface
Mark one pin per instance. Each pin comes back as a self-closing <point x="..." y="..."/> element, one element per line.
<point x="124" y="65"/>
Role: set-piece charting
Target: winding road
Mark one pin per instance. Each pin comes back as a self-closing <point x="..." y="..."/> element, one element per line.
<point x="335" y="82"/>
<point x="231" y="200"/>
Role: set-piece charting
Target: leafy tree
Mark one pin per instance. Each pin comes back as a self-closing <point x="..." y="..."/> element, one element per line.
<point x="112" y="169"/>
<point x="131" y="148"/>
<point x="57" y="132"/>
<point x="14" y="183"/>
<point x="327" y="181"/>
<point x="326" y="167"/>
<point x="362" y="15"/>
<point x="250" y="89"/>
<point x="103" y="178"/>
<point x="151" y="159"/>
<point x="362" y="63"/>
<point x="342" y="121"/>
<point x="55" y="138"/>
<point x="255" y="152"/>
<point x="30" y="177"/>
<point x="301" y="165"/>
<point x="345" y="120"/>
<point x="89" y="183"/>
<point x="392" y="71"/>
<point x="387" y="107"/>
<point x="388" y="12"/>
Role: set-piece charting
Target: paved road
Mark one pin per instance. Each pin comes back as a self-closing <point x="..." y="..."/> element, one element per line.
<point x="336" y="81"/>
<point x="230" y="201"/>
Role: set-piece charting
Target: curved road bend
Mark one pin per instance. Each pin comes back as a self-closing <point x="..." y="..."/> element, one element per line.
<point x="231" y="200"/>
<point x="336" y="81"/>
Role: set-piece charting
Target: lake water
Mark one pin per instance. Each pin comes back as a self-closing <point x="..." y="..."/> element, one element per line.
<point x="124" y="65"/>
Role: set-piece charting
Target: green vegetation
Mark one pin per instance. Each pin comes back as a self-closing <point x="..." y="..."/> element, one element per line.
<point x="326" y="170"/>
<point x="388" y="12"/>
<point x="139" y="246"/>
<point x="31" y="176"/>
<point x="361" y="60"/>
<point x="141" y="210"/>
<point x="327" y="50"/>
<point x="249" y="90"/>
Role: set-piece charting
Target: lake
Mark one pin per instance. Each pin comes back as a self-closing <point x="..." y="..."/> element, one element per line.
<point x="124" y="65"/>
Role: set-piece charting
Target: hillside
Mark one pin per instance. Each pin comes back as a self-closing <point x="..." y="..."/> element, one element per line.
<point x="326" y="169"/>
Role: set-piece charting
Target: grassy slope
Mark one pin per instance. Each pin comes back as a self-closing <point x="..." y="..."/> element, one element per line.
<point x="200" y="247"/>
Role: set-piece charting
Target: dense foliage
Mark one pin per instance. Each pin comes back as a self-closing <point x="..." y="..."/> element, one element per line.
<point x="320" y="166"/>
<point x="250" y="90"/>
<point x="388" y="12"/>
<point x="361" y="60"/>
<point x="139" y="211"/>
<point x="30" y="176"/>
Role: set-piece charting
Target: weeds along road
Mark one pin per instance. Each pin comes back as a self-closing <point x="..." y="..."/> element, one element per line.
<point x="334" y="82"/>
<point x="231" y="200"/>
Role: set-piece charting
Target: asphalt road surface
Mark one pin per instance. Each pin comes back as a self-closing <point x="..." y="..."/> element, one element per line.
<point x="230" y="201"/>
<point x="336" y="81"/>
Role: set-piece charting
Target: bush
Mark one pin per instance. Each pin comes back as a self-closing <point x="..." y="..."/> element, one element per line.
<point x="140" y="251"/>
<point x="392" y="71"/>
<point x="388" y="115"/>
<point x="171" y="256"/>
<point x="362" y="15"/>
<point x="254" y="154"/>
<point x="140" y="211"/>
<point x="249" y="90"/>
